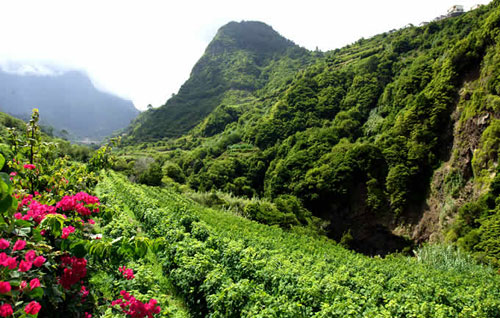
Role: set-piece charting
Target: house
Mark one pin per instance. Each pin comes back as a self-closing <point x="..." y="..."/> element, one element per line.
<point x="456" y="10"/>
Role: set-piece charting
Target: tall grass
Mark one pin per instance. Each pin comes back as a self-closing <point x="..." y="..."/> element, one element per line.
<point x="449" y="258"/>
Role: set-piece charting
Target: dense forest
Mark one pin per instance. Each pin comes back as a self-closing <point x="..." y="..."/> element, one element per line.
<point x="278" y="182"/>
<point x="391" y="139"/>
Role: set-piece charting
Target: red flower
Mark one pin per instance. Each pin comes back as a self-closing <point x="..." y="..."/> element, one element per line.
<point x="127" y="273"/>
<point x="135" y="308"/>
<point x="6" y="310"/>
<point x="32" y="308"/>
<point x="39" y="261"/>
<point x="23" y="285"/>
<point x="19" y="245"/>
<point x="4" y="244"/>
<point x="25" y="266"/>
<point x="67" y="231"/>
<point x="30" y="255"/>
<point x="75" y="269"/>
<point x="7" y="261"/>
<point x="18" y="216"/>
<point x="87" y="315"/>
<point x="84" y="292"/>
<point x="4" y="287"/>
<point x="34" y="283"/>
<point x="29" y="166"/>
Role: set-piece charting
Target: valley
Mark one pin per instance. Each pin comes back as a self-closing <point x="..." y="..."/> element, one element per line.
<point x="278" y="182"/>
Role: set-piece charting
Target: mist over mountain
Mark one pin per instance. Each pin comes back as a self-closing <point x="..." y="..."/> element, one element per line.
<point x="67" y="101"/>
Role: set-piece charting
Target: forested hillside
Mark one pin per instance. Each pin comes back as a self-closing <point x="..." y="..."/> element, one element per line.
<point x="387" y="138"/>
<point x="68" y="102"/>
<point x="252" y="191"/>
<point x="241" y="59"/>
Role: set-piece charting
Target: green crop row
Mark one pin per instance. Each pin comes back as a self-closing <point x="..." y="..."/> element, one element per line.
<point x="228" y="266"/>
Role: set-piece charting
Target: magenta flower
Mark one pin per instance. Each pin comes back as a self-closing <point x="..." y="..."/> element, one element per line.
<point x="30" y="256"/>
<point x="19" y="245"/>
<point x="4" y="287"/>
<point x="34" y="283"/>
<point x="39" y="260"/>
<point x="32" y="308"/>
<point x="67" y="231"/>
<point x="25" y="266"/>
<point x="4" y="244"/>
<point x="6" y="310"/>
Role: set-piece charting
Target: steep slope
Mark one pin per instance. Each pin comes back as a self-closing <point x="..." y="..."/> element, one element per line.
<point x="360" y="135"/>
<point x="67" y="102"/>
<point x="241" y="59"/>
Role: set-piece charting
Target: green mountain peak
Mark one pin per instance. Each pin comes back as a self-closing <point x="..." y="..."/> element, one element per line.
<point x="242" y="58"/>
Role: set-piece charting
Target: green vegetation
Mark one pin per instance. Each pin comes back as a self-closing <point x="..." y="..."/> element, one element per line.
<point x="355" y="135"/>
<point x="227" y="266"/>
<point x="240" y="60"/>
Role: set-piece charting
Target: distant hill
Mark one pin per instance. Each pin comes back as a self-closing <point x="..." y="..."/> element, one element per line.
<point x="67" y="102"/>
<point x="241" y="59"/>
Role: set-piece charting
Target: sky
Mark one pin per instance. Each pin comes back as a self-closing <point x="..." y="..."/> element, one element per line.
<point x="144" y="50"/>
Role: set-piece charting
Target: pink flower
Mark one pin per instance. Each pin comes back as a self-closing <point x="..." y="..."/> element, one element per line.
<point x="23" y="285"/>
<point x="13" y="174"/>
<point x="39" y="260"/>
<point x="11" y="262"/>
<point x="30" y="256"/>
<point x="84" y="292"/>
<point x="87" y="315"/>
<point x="91" y="221"/>
<point x="4" y="287"/>
<point x="6" y="310"/>
<point x="32" y="308"/>
<point x="42" y="232"/>
<point x="67" y="231"/>
<point x="18" y="216"/>
<point x="19" y="245"/>
<point x="4" y="244"/>
<point x="34" y="283"/>
<point x="127" y="273"/>
<point x="29" y="166"/>
<point x="25" y="266"/>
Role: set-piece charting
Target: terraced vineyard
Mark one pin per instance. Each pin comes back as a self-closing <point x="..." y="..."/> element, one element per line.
<point x="227" y="266"/>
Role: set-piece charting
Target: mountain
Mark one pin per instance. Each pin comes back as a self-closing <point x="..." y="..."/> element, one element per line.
<point x="241" y="59"/>
<point x="68" y="101"/>
<point x="394" y="140"/>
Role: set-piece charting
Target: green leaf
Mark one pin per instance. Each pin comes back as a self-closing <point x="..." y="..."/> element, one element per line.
<point x="5" y="203"/>
<point x="22" y="223"/>
<point x="78" y="248"/>
<point x="5" y="185"/>
<point x="2" y="161"/>
<point x="36" y="293"/>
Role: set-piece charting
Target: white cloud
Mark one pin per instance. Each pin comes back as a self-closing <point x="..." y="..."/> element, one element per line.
<point x="144" y="50"/>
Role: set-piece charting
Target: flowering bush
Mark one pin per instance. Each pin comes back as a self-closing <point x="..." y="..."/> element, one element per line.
<point x="35" y="238"/>
<point x="135" y="308"/>
<point x="46" y="229"/>
<point x="127" y="273"/>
